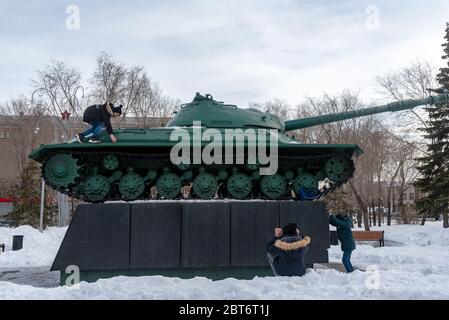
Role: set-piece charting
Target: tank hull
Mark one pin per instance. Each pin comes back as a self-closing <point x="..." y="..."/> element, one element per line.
<point x="138" y="167"/>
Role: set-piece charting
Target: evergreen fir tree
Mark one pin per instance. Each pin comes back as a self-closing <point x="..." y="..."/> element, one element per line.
<point x="434" y="166"/>
<point x="26" y="199"/>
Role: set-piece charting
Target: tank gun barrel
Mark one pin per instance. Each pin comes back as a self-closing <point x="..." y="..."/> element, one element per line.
<point x="391" y="107"/>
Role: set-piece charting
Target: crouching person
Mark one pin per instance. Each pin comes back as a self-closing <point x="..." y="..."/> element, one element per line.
<point x="99" y="117"/>
<point x="286" y="251"/>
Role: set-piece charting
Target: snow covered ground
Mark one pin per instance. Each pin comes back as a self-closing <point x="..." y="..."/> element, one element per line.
<point x="39" y="249"/>
<point x="414" y="266"/>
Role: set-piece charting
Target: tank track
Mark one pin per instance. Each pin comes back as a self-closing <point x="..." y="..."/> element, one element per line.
<point x="88" y="160"/>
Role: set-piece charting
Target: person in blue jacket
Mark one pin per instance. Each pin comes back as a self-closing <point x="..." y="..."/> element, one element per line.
<point x="344" y="233"/>
<point x="286" y="251"/>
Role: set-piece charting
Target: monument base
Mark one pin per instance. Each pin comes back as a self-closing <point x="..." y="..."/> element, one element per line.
<point x="213" y="239"/>
<point x="243" y="273"/>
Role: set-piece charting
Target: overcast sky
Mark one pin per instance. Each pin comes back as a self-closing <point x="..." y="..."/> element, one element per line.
<point x="239" y="51"/>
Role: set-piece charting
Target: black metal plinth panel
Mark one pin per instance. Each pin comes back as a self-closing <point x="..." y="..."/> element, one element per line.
<point x="312" y="220"/>
<point x="97" y="238"/>
<point x="186" y="234"/>
<point x="317" y="219"/>
<point x="252" y="226"/>
<point x="156" y="235"/>
<point x="292" y="211"/>
<point x="205" y="234"/>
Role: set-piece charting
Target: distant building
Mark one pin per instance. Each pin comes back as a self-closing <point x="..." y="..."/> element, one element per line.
<point x="20" y="135"/>
<point x="5" y="207"/>
<point x="411" y="195"/>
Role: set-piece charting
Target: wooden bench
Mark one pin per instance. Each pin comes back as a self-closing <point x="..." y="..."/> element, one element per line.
<point x="2" y="245"/>
<point x="369" y="236"/>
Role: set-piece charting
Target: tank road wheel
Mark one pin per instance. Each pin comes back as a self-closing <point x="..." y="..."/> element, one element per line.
<point x="205" y="186"/>
<point x="339" y="168"/>
<point x="96" y="187"/>
<point x="168" y="185"/>
<point x="61" y="170"/>
<point x="239" y="185"/>
<point x="273" y="186"/>
<point x="131" y="186"/>
<point x="307" y="181"/>
<point x="110" y="162"/>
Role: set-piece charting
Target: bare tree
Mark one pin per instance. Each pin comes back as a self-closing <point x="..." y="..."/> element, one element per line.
<point x="275" y="106"/>
<point x="380" y="147"/>
<point x="393" y="175"/>
<point x="151" y="105"/>
<point x="109" y="79"/>
<point x="141" y="97"/>
<point x="410" y="82"/>
<point x="136" y="85"/>
<point x="23" y="119"/>
<point x="361" y="131"/>
<point x="57" y="89"/>
<point x="407" y="174"/>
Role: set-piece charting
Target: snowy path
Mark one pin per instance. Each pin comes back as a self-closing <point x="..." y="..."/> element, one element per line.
<point x="36" y="276"/>
<point x="417" y="268"/>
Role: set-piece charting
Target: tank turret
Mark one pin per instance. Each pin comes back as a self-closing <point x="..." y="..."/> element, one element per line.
<point x="215" y="114"/>
<point x="139" y="165"/>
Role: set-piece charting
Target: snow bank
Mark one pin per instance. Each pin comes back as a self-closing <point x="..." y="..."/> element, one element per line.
<point x="39" y="249"/>
<point x="414" y="259"/>
<point x="432" y="233"/>
<point x="416" y="248"/>
<point x="318" y="284"/>
<point x="415" y="266"/>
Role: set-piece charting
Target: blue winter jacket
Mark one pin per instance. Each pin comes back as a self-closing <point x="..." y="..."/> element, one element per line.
<point x="289" y="254"/>
<point x="344" y="231"/>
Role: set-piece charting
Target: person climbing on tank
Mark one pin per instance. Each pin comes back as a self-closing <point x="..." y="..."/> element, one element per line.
<point x="344" y="224"/>
<point x="286" y="251"/>
<point x="99" y="117"/>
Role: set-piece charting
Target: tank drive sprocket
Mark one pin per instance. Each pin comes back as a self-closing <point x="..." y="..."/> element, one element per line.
<point x="61" y="170"/>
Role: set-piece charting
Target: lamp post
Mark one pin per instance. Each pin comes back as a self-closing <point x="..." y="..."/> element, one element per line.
<point x="41" y="211"/>
<point x="63" y="201"/>
<point x="41" y="215"/>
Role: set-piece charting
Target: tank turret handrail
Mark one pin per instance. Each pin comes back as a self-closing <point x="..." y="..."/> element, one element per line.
<point x="230" y="105"/>
<point x="134" y="130"/>
<point x="391" y="107"/>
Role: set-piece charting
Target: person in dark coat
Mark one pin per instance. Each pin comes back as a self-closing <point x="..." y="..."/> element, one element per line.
<point x="99" y="117"/>
<point x="344" y="233"/>
<point x="286" y="251"/>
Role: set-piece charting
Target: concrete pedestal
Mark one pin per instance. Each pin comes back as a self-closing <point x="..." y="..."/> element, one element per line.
<point x="216" y="239"/>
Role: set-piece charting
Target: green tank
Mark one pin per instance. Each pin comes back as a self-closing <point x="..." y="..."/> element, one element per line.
<point x="139" y="166"/>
